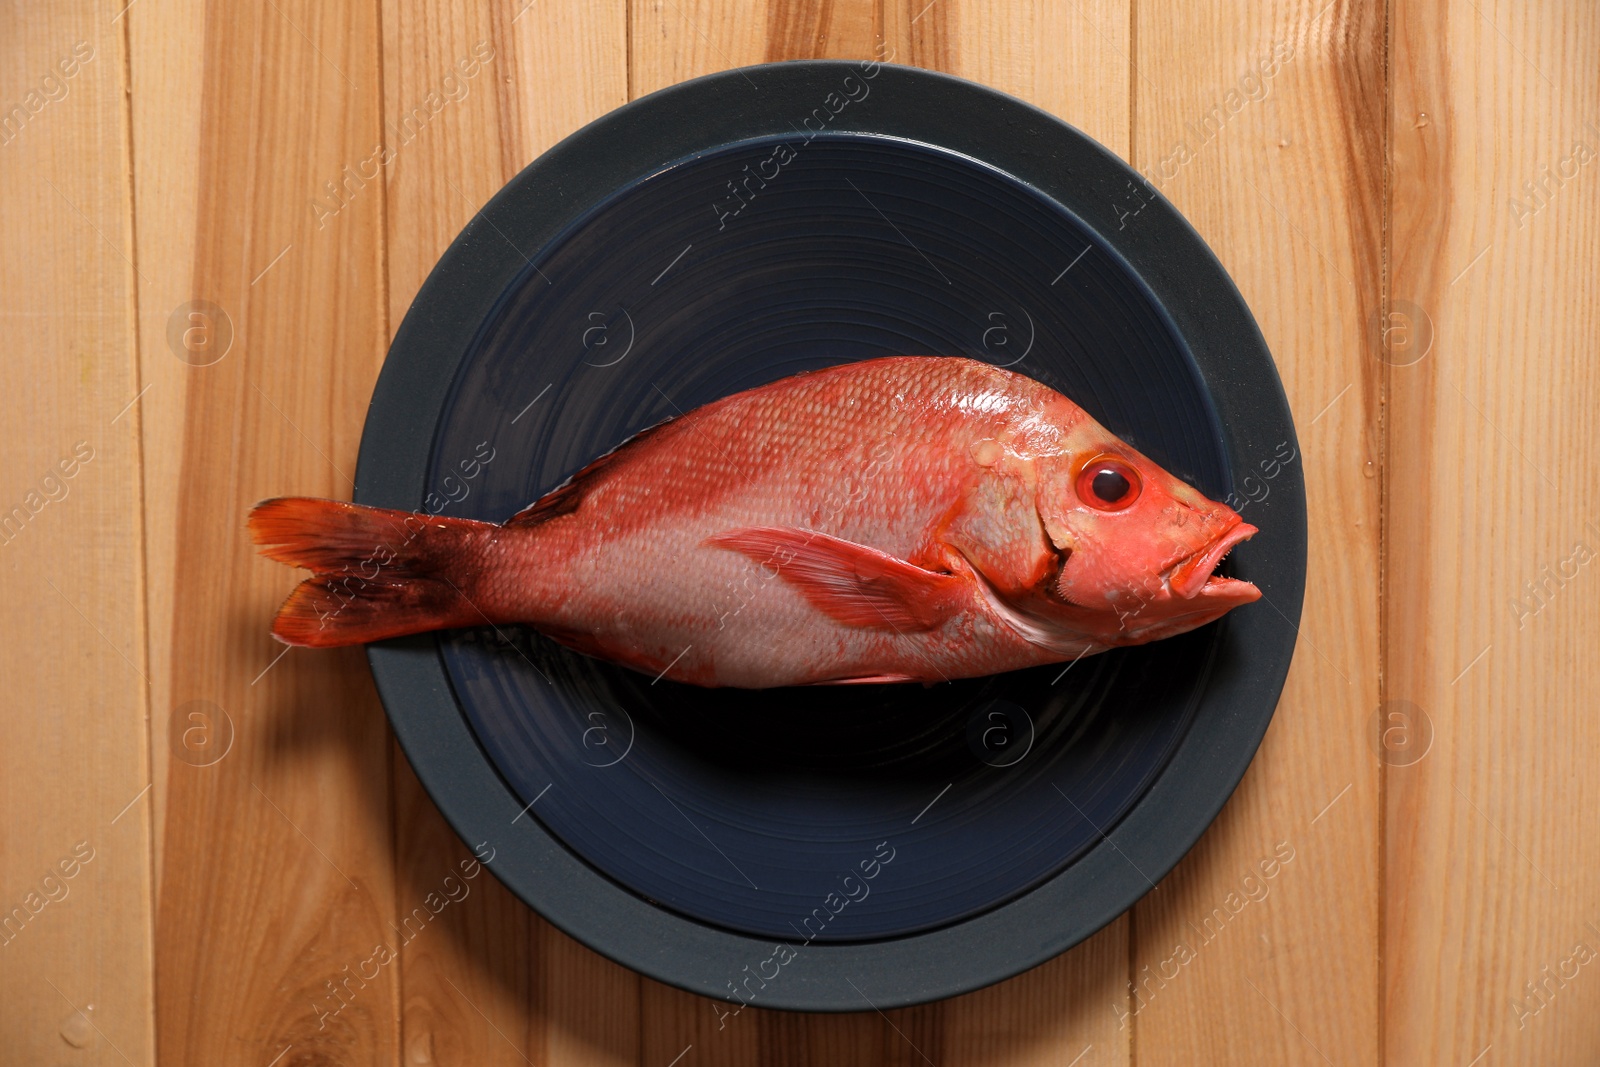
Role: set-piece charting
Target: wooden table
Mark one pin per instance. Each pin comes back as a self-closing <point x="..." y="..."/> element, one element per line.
<point x="1406" y="194"/>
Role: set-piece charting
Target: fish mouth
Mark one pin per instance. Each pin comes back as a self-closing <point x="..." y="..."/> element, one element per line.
<point x="1192" y="575"/>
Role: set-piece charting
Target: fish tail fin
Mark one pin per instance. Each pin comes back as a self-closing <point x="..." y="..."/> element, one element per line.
<point x="376" y="572"/>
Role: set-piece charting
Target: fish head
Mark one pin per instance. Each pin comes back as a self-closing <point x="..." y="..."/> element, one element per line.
<point x="1138" y="546"/>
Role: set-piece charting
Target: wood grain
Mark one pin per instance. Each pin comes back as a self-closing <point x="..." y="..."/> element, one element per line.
<point x="75" y="941"/>
<point x="276" y="876"/>
<point x="1279" y="165"/>
<point x="497" y="984"/>
<point x="1403" y="203"/>
<point x="1073" y="60"/>
<point x="1492" y="893"/>
<point x="166" y="123"/>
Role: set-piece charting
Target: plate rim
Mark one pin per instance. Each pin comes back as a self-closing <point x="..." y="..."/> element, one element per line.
<point x="1164" y="254"/>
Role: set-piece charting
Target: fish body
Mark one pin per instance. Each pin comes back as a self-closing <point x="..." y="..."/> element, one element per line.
<point x="898" y="519"/>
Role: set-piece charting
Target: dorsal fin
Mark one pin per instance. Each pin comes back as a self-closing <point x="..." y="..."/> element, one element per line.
<point x="565" y="498"/>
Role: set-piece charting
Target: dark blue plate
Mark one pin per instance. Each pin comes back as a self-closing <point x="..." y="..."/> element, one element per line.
<point x="710" y="238"/>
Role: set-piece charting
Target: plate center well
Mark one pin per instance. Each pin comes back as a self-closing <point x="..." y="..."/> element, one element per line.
<point x="753" y="810"/>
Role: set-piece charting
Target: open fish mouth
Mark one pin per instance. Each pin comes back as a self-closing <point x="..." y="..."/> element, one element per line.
<point x="1192" y="575"/>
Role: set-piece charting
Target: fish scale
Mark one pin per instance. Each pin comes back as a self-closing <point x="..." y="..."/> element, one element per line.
<point x="910" y="518"/>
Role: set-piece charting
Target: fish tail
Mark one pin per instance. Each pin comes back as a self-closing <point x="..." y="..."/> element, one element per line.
<point x="376" y="572"/>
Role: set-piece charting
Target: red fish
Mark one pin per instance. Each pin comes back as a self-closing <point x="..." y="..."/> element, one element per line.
<point x="912" y="518"/>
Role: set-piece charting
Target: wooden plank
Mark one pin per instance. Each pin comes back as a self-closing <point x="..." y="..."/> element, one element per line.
<point x="1263" y="126"/>
<point x="670" y="41"/>
<point x="497" y="984"/>
<point x="467" y="985"/>
<point x="166" y="113"/>
<point x="238" y="117"/>
<point x="1072" y="60"/>
<point x="275" y="850"/>
<point x="1492" y="890"/>
<point x="75" y="939"/>
<point x="1018" y="47"/>
<point x="1064" y="1012"/>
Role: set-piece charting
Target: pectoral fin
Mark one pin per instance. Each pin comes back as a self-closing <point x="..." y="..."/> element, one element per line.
<point x="857" y="585"/>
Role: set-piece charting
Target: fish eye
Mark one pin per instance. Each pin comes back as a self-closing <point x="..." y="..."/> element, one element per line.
<point x="1108" y="484"/>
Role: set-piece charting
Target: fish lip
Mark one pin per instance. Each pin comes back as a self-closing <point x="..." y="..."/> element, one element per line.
<point x="1236" y="590"/>
<point x="1193" y="573"/>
